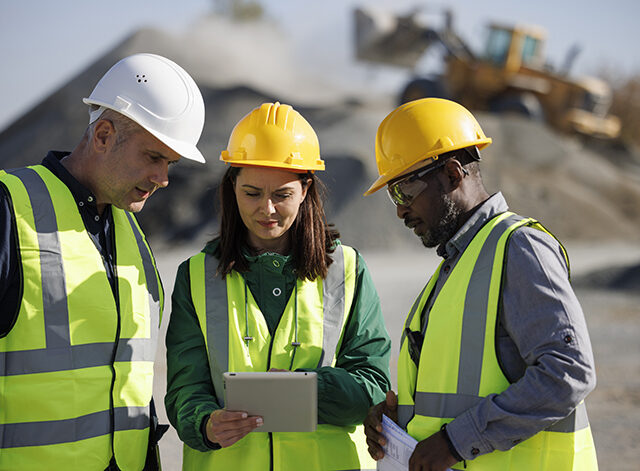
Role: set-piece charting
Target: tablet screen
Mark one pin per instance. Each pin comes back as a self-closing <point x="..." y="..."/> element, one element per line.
<point x="287" y="401"/>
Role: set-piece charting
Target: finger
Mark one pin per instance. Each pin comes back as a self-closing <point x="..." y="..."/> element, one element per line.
<point x="374" y="417"/>
<point x="230" y="437"/>
<point x="375" y="451"/>
<point x="391" y="400"/>
<point x="375" y="437"/>
<point x="374" y="423"/>
<point x="249" y="423"/>
<point x="223" y="415"/>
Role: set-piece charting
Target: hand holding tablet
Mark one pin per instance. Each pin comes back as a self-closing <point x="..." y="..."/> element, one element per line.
<point x="227" y="427"/>
<point x="287" y="401"/>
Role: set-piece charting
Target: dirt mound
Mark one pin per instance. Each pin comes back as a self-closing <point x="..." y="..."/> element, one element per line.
<point x="574" y="191"/>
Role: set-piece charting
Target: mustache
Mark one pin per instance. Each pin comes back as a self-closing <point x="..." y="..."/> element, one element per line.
<point x="409" y="221"/>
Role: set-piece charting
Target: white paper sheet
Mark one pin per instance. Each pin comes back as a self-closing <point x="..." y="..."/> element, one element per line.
<point x="399" y="447"/>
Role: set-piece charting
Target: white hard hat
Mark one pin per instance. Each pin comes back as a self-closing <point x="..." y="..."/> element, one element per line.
<point x="157" y="94"/>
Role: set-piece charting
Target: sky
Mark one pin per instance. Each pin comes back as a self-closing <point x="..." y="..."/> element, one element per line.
<point x="44" y="43"/>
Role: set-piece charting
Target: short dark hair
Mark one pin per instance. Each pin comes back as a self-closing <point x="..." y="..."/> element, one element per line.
<point x="312" y="239"/>
<point x="467" y="156"/>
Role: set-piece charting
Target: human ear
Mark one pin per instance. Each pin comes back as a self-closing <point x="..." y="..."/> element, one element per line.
<point x="103" y="136"/>
<point x="305" y="187"/>
<point x="454" y="172"/>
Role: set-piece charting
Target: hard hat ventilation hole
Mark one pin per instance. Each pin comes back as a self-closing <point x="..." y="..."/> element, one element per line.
<point x="141" y="78"/>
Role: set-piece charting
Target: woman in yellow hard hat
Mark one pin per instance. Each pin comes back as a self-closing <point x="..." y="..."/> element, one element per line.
<point x="275" y="290"/>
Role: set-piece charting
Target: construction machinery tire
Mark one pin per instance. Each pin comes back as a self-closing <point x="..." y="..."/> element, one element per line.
<point x="525" y="104"/>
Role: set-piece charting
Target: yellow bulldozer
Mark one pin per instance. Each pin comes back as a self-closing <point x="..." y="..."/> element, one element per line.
<point x="510" y="75"/>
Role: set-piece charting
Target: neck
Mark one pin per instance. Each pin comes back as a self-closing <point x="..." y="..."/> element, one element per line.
<point x="280" y="246"/>
<point x="75" y="163"/>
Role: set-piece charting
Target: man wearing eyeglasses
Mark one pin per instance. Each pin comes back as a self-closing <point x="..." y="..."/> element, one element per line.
<point x="495" y="358"/>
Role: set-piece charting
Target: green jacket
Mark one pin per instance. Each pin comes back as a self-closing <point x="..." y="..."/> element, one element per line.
<point x="345" y="392"/>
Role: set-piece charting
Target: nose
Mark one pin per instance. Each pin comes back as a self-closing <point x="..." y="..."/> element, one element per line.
<point x="268" y="207"/>
<point x="401" y="211"/>
<point x="160" y="177"/>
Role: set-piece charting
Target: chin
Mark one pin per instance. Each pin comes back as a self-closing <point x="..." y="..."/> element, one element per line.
<point x="428" y="240"/>
<point x="135" y="207"/>
<point x="270" y="236"/>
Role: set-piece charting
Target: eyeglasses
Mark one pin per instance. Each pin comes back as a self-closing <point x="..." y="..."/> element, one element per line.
<point x="403" y="192"/>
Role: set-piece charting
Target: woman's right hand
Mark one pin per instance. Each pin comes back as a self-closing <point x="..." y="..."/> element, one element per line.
<point x="227" y="427"/>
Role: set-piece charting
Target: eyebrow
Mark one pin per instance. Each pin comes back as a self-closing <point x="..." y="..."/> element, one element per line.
<point x="283" y="188"/>
<point x="155" y="153"/>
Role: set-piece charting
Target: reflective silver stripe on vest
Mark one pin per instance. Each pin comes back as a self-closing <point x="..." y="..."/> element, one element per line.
<point x="405" y="414"/>
<point x="54" y="290"/>
<point x="333" y="294"/>
<point x="71" y="430"/>
<point x="472" y="347"/>
<point x="475" y="311"/>
<point x="74" y="357"/>
<point x="412" y="313"/>
<point x="577" y="420"/>
<point x="140" y="349"/>
<point x="444" y="405"/>
<point x="452" y="405"/>
<point x="149" y="268"/>
<point x="217" y="309"/>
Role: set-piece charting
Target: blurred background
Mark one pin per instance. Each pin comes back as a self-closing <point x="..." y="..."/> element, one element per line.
<point x="555" y="84"/>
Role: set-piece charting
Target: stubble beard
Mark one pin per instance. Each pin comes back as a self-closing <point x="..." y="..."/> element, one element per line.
<point x="447" y="224"/>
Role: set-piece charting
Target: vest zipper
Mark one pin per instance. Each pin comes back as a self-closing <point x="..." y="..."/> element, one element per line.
<point x="273" y="336"/>
<point x="271" y="454"/>
<point x="270" y="433"/>
<point x="116" y="342"/>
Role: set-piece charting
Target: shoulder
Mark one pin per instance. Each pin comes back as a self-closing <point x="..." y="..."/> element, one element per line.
<point x="531" y="247"/>
<point x="353" y="254"/>
<point x="212" y="247"/>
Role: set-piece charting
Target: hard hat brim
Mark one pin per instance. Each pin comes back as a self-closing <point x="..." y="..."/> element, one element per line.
<point x="273" y="164"/>
<point x="378" y="184"/>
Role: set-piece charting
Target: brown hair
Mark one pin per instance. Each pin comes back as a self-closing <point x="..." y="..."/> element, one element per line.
<point x="312" y="239"/>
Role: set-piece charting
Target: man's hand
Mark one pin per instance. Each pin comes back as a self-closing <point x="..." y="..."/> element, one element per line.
<point x="227" y="427"/>
<point x="373" y="424"/>
<point x="432" y="454"/>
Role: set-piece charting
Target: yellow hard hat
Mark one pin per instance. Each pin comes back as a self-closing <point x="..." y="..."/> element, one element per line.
<point x="274" y="135"/>
<point x="418" y="132"/>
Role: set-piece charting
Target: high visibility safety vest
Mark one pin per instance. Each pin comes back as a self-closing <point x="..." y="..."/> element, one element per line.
<point x="458" y="364"/>
<point x="226" y="311"/>
<point x="76" y="369"/>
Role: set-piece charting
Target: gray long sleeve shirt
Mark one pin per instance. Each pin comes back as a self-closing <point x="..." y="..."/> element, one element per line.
<point x="542" y="340"/>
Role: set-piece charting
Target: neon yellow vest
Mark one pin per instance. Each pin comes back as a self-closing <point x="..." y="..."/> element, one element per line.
<point x="323" y="308"/>
<point x="76" y="369"/>
<point x="455" y="375"/>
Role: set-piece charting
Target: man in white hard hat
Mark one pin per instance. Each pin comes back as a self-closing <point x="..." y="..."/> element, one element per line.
<point x="80" y="295"/>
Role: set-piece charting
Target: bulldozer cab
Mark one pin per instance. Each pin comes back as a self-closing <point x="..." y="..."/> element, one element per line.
<point x="514" y="47"/>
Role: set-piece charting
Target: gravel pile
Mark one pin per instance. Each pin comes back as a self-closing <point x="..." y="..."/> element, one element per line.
<point x="578" y="192"/>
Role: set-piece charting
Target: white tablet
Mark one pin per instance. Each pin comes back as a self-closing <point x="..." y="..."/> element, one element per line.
<point x="287" y="401"/>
